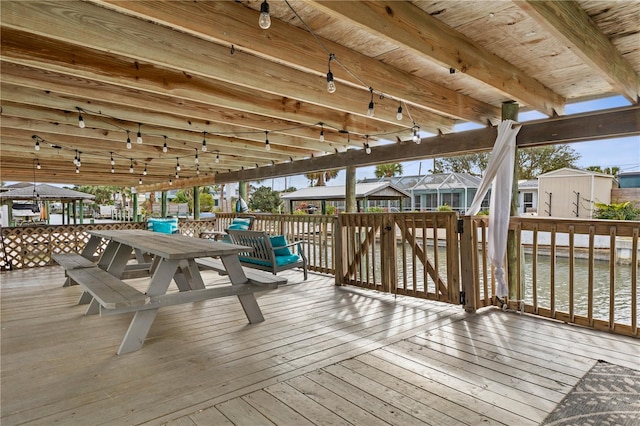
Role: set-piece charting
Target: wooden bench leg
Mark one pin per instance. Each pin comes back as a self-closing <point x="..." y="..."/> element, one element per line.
<point x="68" y="282"/>
<point x="85" y="298"/>
<point x="237" y="276"/>
<point x="137" y="332"/>
<point x="94" y="307"/>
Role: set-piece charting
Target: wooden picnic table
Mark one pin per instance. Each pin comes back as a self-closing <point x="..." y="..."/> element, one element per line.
<point x="174" y="258"/>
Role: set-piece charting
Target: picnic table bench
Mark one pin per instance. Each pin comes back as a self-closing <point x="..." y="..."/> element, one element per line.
<point x="174" y="259"/>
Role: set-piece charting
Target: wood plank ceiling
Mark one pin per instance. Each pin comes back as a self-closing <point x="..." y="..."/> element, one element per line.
<point x="183" y="71"/>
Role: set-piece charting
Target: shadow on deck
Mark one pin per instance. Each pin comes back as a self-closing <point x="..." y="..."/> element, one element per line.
<point x="325" y="354"/>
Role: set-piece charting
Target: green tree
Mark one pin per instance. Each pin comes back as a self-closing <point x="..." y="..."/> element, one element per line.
<point x="532" y="162"/>
<point x="104" y="194"/>
<point x="206" y="202"/>
<point x="613" y="171"/>
<point x="184" y="196"/>
<point x="388" y="170"/>
<point x="321" y="178"/>
<point x="265" y="200"/>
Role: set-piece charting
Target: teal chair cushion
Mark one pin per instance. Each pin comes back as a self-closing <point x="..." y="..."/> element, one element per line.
<point x="280" y="241"/>
<point x="280" y="260"/>
<point x="240" y="223"/>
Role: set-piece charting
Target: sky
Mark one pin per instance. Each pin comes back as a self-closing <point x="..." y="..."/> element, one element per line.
<point x="620" y="152"/>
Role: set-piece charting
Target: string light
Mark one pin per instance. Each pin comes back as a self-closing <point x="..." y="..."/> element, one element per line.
<point x="196" y="160"/>
<point x="177" y="175"/>
<point x="177" y="164"/>
<point x="204" y="141"/>
<point x="77" y="169"/>
<point x="170" y="182"/>
<point x="399" y="114"/>
<point x="79" y="162"/>
<point x="113" y="170"/>
<point x="217" y="157"/>
<point x="266" y="141"/>
<point x="140" y="181"/>
<point x="112" y="160"/>
<point x="131" y="166"/>
<point x="370" y="110"/>
<point x="75" y="159"/>
<point x="37" y="144"/>
<point x="80" y="119"/>
<point x="367" y="148"/>
<point x="38" y="165"/>
<point x="144" y="172"/>
<point x="139" y="136"/>
<point x="197" y="170"/>
<point x="164" y="147"/>
<point x="128" y="141"/>
<point x="321" y="132"/>
<point x="416" y="135"/>
<point x="331" y="85"/>
<point x="265" y="20"/>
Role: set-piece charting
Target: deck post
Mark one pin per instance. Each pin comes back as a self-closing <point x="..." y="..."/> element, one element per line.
<point x="510" y="112"/>
<point x="196" y="202"/>
<point x="350" y="190"/>
<point x="468" y="267"/>
<point x="134" y="216"/>
<point x="339" y="251"/>
<point x="164" y="204"/>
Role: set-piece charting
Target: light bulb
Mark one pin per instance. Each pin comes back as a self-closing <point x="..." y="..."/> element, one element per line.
<point x="321" y="135"/>
<point x="177" y="165"/>
<point x="399" y="114"/>
<point x="265" y="20"/>
<point x="267" y="146"/>
<point x="197" y="171"/>
<point x="196" y="160"/>
<point x="204" y="141"/>
<point x="37" y="146"/>
<point x="112" y="161"/>
<point x="80" y="121"/>
<point x="131" y="166"/>
<point x="217" y="158"/>
<point x="164" y="147"/>
<point x="113" y="170"/>
<point x="77" y="169"/>
<point x="38" y="165"/>
<point x="140" y="181"/>
<point x="331" y="85"/>
<point x="367" y="149"/>
<point x="370" y="110"/>
<point x="416" y="136"/>
<point x="144" y="172"/>
<point x="170" y="182"/>
<point x="139" y="136"/>
<point x="177" y="175"/>
<point x="128" y="143"/>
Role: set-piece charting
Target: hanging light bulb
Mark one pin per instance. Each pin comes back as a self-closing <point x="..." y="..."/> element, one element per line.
<point x="113" y="170"/>
<point x="37" y="145"/>
<point x="370" y="110"/>
<point x="177" y="175"/>
<point x="331" y="85"/>
<point x="128" y="141"/>
<point x="321" y="132"/>
<point x="170" y="182"/>
<point x="38" y="165"/>
<point x="204" y="141"/>
<point x="416" y="135"/>
<point x="196" y="160"/>
<point x="177" y="164"/>
<point x="217" y="158"/>
<point x="80" y="119"/>
<point x="75" y="159"/>
<point x="197" y="170"/>
<point x="367" y="148"/>
<point x="131" y="166"/>
<point x="164" y="147"/>
<point x="265" y="20"/>
<point x="79" y="162"/>
<point x="112" y="161"/>
<point x="77" y="169"/>
<point x="266" y="142"/>
<point x="139" y="137"/>
<point x="399" y="114"/>
<point x="144" y="172"/>
<point x="140" y="181"/>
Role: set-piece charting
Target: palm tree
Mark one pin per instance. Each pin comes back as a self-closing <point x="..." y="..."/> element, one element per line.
<point x="321" y="178"/>
<point x="388" y="170"/>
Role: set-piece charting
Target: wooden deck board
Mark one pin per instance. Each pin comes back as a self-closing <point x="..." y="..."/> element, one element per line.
<point x="324" y="355"/>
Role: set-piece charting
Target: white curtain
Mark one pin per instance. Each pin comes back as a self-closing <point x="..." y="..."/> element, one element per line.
<point x="499" y="177"/>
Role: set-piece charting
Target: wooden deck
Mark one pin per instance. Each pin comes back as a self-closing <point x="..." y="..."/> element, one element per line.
<point x="324" y="355"/>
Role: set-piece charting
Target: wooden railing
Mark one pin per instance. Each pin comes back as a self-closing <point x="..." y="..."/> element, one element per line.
<point x="577" y="271"/>
<point x="413" y="254"/>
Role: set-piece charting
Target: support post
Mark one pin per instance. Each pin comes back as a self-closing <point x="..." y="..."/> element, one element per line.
<point x="135" y="207"/>
<point x="242" y="190"/>
<point x="510" y="112"/>
<point x="350" y="190"/>
<point x="196" y="202"/>
<point x="81" y="204"/>
<point x="164" y="204"/>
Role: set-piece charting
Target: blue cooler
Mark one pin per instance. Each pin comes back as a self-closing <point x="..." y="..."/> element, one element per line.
<point x="165" y="226"/>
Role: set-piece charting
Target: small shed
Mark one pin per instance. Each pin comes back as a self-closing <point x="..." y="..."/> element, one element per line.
<point x="570" y="192"/>
<point x="367" y="194"/>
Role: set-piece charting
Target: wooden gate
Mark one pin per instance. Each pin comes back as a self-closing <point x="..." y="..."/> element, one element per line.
<point x="414" y="254"/>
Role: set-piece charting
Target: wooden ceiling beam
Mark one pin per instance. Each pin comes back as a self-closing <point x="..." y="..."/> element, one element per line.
<point x="572" y="27"/>
<point x="161" y="46"/>
<point x="406" y="24"/>
<point x="232" y="24"/>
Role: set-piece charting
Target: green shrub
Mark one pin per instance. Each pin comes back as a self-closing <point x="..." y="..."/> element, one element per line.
<point x="617" y="211"/>
<point x="444" y="208"/>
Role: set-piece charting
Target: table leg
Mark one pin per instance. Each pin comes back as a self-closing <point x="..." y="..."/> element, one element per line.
<point x="90" y="248"/>
<point x="237" y="276"/>
<point x="142" y="320"/>
<point x="119" y="260"/>
<point x="188" y="276"/>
